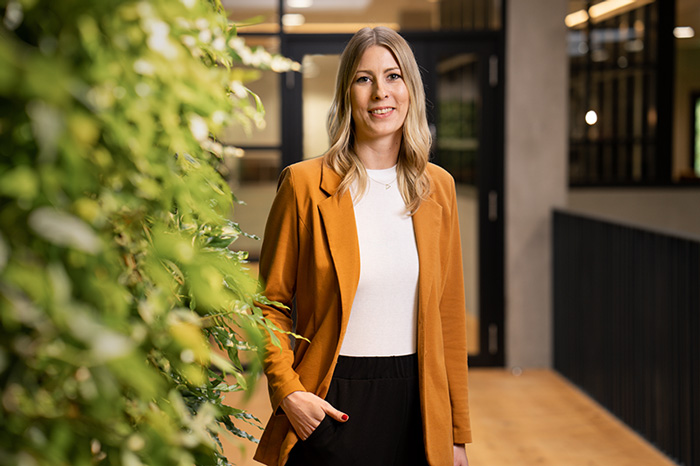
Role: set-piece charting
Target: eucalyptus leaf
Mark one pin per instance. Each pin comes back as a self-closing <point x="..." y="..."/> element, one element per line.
<point x="64" y="229"/>
<point x="47" y="125"/>
<point x="106" y="344"/>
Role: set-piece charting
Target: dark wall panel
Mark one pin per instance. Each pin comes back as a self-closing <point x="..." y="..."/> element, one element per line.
<point x="627" y="326"/>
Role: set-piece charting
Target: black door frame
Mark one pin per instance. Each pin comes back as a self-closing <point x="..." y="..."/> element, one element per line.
<point x="489" y="47"/>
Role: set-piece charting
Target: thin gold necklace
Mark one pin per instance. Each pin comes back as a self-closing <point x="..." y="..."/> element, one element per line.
<point x="386" y="185"/>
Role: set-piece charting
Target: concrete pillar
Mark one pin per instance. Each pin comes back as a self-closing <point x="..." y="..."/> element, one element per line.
<point x="536" y="135"/>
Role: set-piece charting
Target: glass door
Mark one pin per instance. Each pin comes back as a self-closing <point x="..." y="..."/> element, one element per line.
<point x="462" y="86"/>
<point x="458" y="106"/>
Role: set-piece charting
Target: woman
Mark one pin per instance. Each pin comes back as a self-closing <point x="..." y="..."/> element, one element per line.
<point x="365" y="241"/>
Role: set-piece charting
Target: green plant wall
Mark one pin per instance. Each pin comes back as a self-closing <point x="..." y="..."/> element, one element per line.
<point x="117" y="274"/>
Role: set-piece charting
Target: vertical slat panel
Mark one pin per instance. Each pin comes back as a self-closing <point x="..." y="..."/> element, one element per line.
<point x="627" y="326"/>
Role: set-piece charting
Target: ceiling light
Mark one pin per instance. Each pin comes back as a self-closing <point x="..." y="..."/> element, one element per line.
<point x="610" y="8"/>
<point x="576" y="18"/>
<point x="292" y="19"/>
<point x="602" y="11"/>
<point x="299" y="3"/>
<point x="684" y="32"/>
<point x="607" y="8"/>
<point x="591" y="117"/>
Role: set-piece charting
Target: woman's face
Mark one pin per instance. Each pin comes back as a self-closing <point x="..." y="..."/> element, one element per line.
<point x="378" y="95"/>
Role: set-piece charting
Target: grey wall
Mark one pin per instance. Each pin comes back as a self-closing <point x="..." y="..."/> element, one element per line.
<point x="536" y="163"/>
<point x="672" y="210"/>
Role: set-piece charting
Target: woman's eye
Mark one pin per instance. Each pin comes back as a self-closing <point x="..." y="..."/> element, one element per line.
<point x="394" y="76"/>
<point x="362" y="79"/>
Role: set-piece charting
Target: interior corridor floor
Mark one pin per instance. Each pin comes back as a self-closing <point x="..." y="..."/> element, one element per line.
<point x="536" y="418"/>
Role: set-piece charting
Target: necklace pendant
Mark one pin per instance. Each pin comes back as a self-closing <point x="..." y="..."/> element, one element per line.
<point x="386" y="185"/>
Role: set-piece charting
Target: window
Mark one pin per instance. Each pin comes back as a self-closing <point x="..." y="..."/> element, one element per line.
<point x="621" y="69"/>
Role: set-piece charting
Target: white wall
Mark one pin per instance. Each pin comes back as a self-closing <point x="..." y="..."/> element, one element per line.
<point x="535" y="164"/>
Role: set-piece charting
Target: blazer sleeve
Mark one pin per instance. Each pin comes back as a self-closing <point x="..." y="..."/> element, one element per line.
<point x="454" y="324"/>
<point x="278" y="273"/>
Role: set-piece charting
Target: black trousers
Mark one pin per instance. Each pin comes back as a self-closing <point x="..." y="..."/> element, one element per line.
<point x="381" y="396"/>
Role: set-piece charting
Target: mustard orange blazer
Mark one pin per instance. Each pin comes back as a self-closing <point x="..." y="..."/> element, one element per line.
<point x="310" y="252"/>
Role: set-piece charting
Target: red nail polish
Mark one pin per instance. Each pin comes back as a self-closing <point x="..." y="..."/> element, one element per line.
<point x="344" y="417"/>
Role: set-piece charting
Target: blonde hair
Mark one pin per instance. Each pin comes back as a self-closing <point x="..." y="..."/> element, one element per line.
<point x="411" y="174"/>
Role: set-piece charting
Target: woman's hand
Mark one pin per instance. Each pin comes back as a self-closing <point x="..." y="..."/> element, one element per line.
<point x="460" y="456"/>
<point x="305" y="411"/>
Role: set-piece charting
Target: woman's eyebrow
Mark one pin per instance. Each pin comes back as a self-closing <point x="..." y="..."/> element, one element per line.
<point x="393" y="68"/>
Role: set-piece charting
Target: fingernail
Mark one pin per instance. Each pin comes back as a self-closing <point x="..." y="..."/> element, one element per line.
<point x="344" y="417"/>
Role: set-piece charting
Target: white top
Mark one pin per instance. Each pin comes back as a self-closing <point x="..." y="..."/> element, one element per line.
<point x="383" y="318"/>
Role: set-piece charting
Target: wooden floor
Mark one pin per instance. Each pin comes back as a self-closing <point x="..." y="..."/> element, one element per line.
<point x="536" y="418"/>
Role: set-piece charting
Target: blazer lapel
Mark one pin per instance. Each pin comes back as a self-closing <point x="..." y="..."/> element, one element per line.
<point x="426" y="225"/>
<point x="338" y="217"/>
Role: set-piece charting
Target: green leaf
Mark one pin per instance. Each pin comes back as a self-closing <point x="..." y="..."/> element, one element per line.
<point x="20" y="182"/>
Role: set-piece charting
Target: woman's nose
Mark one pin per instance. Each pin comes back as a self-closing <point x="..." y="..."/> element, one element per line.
<point x="379" y="91"/>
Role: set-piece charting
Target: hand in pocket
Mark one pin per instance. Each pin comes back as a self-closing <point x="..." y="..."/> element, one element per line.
<point x="305" y="412"/>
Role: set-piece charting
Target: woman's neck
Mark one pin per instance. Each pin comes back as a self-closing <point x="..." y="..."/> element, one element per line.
<point x="379" y="153"/>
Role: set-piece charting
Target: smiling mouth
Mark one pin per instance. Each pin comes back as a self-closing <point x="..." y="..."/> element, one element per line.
<point x="381" y="111"/>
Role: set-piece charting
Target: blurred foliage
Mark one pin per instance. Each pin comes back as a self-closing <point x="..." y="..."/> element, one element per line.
<point x="117" y="276"/>
<point x="457" y="140"/>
